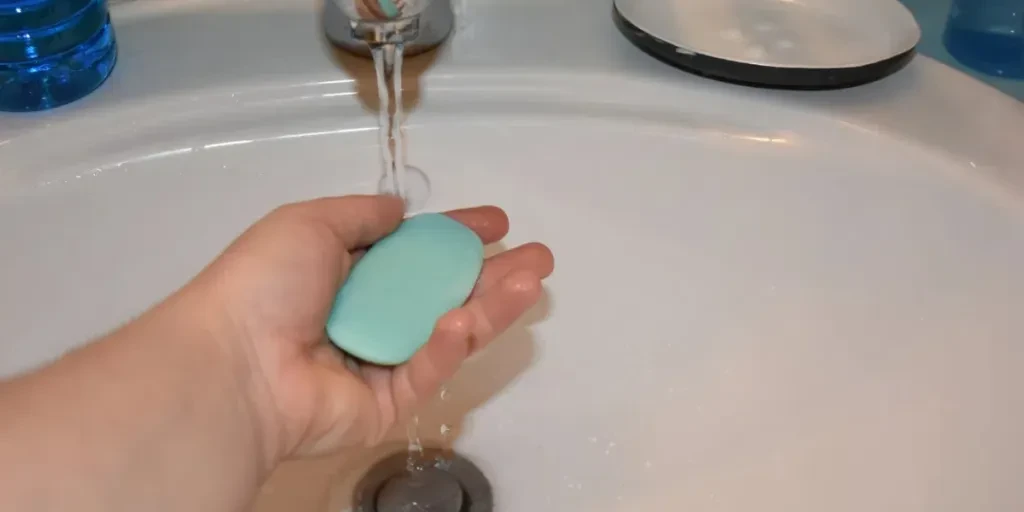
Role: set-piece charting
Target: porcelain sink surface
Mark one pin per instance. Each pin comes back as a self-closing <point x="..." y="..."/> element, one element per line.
<point x="764" y="301"/>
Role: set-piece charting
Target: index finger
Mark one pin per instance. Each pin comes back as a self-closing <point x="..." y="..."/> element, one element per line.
<point x="490" y="223"/>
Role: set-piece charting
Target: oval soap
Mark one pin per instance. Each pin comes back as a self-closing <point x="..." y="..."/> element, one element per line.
<point x="402" y="286"/>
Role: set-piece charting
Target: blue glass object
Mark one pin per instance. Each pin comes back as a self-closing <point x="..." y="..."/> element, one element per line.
<point x="988" y="36"/>
<point x="53" y="52"/>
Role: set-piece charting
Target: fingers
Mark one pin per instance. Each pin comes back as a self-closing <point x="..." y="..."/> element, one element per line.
<point x="508" y="286"/>
<point x="533" y="257"/>
<point x="460" y="333"/>
<point x="490" y="223"/>
<point x="435" y="363"/>
<point x="498" y="307"/>
<point x="357" y="221"/>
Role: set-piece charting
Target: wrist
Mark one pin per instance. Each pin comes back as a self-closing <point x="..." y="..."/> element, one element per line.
<point x="240" y="380"/>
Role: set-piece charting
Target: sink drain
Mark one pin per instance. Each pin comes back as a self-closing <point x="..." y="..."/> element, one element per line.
<point x="441" y="482"/>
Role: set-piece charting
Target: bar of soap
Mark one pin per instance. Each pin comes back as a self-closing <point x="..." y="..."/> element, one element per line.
<point x="403" y="285"/>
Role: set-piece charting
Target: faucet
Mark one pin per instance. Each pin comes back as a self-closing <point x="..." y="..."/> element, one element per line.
<point x="357" y="25"/>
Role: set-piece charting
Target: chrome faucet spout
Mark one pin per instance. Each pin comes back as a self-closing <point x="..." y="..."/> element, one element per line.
<point x="375" y="33"/>
<point x="358" y="25"/>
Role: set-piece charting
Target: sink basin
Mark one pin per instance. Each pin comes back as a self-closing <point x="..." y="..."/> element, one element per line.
<point x="764" y="301"/>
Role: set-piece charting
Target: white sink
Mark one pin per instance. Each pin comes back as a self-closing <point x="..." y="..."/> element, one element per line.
<point x="764" y="301"/>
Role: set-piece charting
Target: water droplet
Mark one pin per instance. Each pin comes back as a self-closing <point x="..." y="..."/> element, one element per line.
<point x="442" y="463"/>
<point x="444" y="393"/>
<point x="445" y="429"/>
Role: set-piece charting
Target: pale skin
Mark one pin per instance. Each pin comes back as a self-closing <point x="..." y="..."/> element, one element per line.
<point x="192" y="405"/>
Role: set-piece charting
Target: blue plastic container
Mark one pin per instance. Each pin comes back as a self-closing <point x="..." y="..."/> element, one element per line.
<point x="53" y="52"/>
<point x="988" y="36"/>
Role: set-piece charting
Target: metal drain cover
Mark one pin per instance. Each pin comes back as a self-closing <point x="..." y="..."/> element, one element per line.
<point x="439" y="481"/>
<point x="429" y="490"/>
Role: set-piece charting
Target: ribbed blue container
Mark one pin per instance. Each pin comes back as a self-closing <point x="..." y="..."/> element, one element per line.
<point x="53" y="52"/>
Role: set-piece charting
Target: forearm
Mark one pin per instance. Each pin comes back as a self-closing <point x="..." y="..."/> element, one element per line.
<point x="150" y="418"/>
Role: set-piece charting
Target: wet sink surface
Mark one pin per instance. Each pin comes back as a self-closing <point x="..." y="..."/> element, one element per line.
<point x="757" y="306"/>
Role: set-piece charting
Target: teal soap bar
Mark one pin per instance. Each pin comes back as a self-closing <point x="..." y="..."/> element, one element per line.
<point x="395" y="294"/>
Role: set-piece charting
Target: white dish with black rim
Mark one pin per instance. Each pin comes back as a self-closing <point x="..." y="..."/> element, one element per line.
<point x="806" y="44"/>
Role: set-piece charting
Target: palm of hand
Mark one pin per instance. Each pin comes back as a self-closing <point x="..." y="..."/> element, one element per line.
<point x="278" y="282"/>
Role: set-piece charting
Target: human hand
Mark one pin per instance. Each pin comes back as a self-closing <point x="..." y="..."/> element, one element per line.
<point x="271" y="292"/>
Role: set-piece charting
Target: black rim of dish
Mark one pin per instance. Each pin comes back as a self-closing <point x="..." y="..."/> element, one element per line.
<point x="758" y="75"/>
